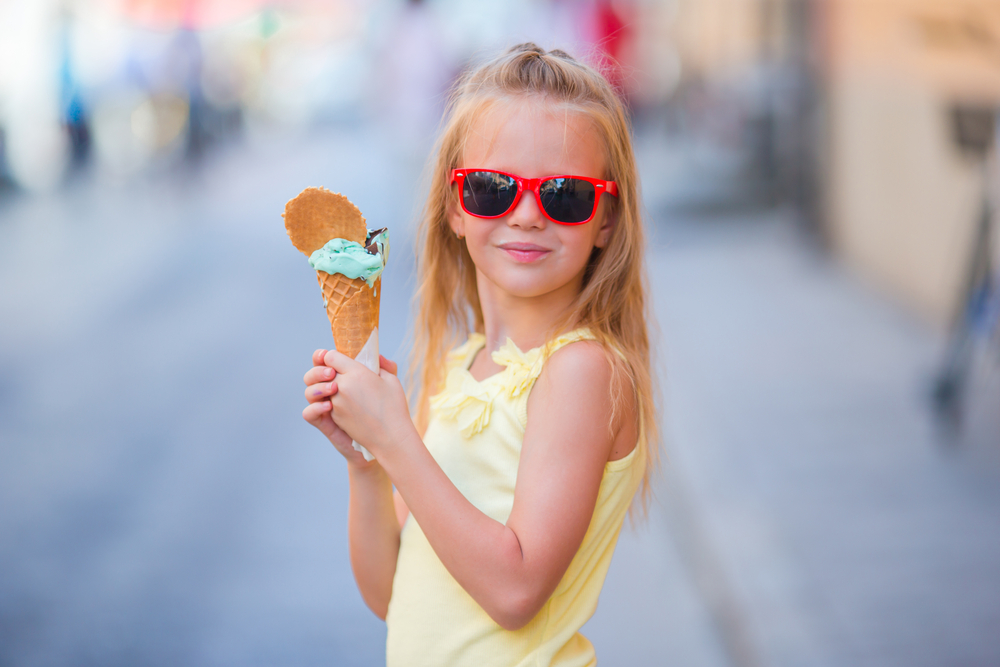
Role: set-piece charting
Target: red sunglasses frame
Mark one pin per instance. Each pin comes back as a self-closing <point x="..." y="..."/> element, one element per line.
<point x="534" y="185"/>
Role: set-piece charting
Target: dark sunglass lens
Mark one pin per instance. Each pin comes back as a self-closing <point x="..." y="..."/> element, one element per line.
<point x="487" y="193"/>
<point x="568" y="199"/>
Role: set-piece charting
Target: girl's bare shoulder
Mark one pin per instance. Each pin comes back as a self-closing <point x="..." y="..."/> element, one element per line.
<point x="579" y="360"/>
<point x="578" y="384"/>
<point x="583" y="368"/>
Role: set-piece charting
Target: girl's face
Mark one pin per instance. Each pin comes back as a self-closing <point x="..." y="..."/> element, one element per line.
<point x="524" y="254"/>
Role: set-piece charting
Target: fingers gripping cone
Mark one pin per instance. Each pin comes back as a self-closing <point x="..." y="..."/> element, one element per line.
<point x="311" y="219"/>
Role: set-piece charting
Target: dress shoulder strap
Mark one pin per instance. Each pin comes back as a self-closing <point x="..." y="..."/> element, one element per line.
<point x="462" y="356"/>
<point x="583" y="333"/>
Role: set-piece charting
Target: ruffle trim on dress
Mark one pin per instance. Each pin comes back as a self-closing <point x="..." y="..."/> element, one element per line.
<point x="465" y="401"/>
<point x="469" y="402"/>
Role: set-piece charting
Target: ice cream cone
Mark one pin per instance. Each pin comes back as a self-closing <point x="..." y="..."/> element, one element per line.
<point x="352" y="308"/>
<point x="317" y="219"/>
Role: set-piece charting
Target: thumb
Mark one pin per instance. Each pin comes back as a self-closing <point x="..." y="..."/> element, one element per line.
<point x="339" y="361"/>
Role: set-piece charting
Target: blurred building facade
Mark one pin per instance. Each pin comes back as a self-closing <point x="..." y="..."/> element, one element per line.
<point x="847" y="109"/>
<point x="903" y="196"/>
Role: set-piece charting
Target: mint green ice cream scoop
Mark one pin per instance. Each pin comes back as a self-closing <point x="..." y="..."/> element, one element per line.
<point x="353" y="259"/>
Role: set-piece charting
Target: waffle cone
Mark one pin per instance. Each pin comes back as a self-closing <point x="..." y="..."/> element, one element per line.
<point x="352" y="307"/>
<point x="317" y="215"/>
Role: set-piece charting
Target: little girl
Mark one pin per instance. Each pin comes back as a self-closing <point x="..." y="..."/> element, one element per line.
<point x="532" y="436"/>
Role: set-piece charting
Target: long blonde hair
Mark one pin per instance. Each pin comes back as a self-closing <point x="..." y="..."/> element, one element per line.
<point x="612" y="302"/>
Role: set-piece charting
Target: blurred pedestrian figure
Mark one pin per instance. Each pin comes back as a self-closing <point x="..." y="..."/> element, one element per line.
<point x="184" y="66"/>
<point x="412" y="74"/>
<point x="612" y="32"/>
<point x="74" y="114"/>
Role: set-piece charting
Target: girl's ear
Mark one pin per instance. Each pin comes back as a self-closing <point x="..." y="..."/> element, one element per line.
<point x="610" y="220"/>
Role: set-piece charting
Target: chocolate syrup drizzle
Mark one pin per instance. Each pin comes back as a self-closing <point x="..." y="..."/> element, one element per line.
<point x="370" y="245"/>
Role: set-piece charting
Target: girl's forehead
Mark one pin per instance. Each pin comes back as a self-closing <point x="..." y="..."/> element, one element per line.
<point x="535" y="134"/>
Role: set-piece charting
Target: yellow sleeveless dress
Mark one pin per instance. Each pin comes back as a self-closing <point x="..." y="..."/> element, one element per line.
<point x="475" y="435"/>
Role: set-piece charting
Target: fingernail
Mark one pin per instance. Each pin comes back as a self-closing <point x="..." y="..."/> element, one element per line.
<point x="327" y="372"/>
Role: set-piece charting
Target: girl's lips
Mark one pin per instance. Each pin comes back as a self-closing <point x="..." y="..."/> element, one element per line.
<point x="524" y="252"/>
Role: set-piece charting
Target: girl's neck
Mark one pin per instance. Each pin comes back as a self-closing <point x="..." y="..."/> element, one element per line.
<point x="526" y="321"/>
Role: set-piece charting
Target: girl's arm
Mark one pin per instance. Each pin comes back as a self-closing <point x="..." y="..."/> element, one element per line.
<point x="373" y="534"/>
<point x="402" y="511"/>
<point x="372" y="524"/>
<point x="509" y="569"/>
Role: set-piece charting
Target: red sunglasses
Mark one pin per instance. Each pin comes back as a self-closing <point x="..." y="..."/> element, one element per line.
<point x="568" y="200"/>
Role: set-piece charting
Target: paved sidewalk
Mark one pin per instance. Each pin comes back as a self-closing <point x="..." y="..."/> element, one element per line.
<point x="823" y="519"/>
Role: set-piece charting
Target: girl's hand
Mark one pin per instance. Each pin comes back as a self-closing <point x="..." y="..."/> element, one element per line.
<point x="370" y="408"/>
<point x="320" y="386"/>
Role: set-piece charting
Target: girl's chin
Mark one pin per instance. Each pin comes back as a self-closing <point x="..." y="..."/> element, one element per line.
<point x="526" y="290"/>
<point x="526" y="281"/>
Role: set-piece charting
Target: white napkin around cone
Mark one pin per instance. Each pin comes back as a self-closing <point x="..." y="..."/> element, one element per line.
<point x="369" y="357"/>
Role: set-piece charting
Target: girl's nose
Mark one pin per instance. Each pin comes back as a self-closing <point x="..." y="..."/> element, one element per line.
<point x="526" y="214"/>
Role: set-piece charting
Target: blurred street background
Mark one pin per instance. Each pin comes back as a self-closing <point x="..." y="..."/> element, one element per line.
<point x="819" y="178"/>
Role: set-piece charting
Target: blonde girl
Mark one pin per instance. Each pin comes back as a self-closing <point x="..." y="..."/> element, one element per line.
<point x="534" y="419"/>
